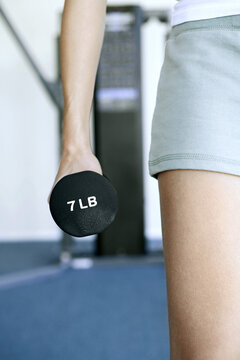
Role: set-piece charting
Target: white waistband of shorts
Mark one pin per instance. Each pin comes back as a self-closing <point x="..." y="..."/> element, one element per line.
<point x="189" y="10"/>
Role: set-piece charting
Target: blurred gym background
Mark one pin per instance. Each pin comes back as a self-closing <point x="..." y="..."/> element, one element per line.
<point x="101" y="296"/>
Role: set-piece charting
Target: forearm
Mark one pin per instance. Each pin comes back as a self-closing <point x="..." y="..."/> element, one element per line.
<point x="82" y="32"/>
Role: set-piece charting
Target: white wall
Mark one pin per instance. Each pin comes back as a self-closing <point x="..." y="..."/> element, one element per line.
<point x="29" y="124"/>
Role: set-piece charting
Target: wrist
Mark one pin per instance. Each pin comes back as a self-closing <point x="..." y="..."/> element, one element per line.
<point x="76" y="134"/>
<point x="71" y="150"/>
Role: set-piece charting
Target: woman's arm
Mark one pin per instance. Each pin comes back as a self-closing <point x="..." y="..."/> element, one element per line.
<point x="82" y="32"/>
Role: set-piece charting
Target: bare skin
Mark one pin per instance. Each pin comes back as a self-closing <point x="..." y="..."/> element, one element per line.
<point x="82" y="32"/>
<point x="200" y="213"/>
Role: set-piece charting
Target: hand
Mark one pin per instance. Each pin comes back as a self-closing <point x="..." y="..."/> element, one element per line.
<point x="72" y="163"/>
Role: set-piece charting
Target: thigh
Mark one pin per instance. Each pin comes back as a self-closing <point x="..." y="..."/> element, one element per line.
<point x="200" y="213"/>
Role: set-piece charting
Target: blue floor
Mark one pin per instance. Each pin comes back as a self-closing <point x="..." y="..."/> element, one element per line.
<point x="103" y="313"/>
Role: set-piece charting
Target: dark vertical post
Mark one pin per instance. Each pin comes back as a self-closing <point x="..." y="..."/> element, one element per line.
<point x="118" y="128"/>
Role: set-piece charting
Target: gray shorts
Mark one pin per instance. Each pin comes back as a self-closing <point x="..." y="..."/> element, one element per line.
<point x="196" y="120"/>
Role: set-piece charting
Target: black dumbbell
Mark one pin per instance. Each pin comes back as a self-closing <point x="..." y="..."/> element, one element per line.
<point x="83" y="203"/>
